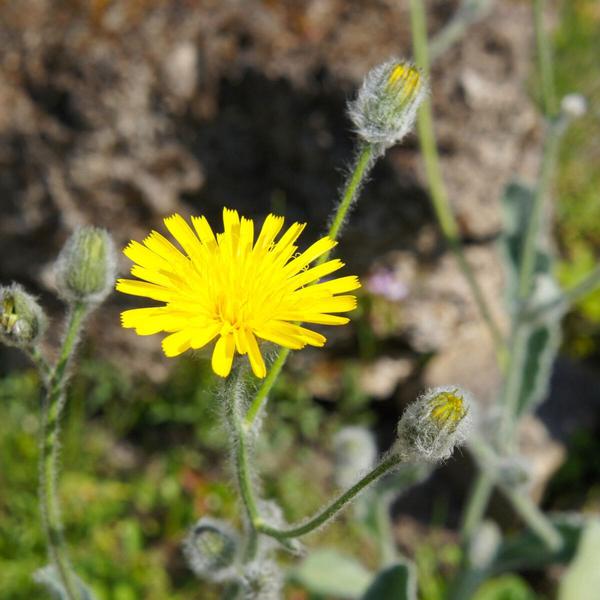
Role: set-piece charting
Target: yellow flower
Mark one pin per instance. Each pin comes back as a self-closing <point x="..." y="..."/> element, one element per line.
<point x="234" y="288"/>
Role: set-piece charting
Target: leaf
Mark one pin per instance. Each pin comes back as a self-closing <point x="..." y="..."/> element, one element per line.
<point x="517" y="202"/>
<point x="330" y="573"/>
<point x="543" y="342"/>
<point x="527" y="551"/>
<point x="582" y="579"/>
<point x="397" y="582"/>
<point x="48" y="577"/>
<point x="507" y="587"/>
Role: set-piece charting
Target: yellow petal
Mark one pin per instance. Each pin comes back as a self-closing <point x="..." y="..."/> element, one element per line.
<point x="256" y="360"/>
<point x="176" y="343"/>
<point x="222" y="356"/>
<point x="141" y="288"/>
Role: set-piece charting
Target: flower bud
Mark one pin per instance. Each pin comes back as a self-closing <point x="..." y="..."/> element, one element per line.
<point x="210" y="549"/>
<point x="386" y="106"/>
<point x="22" y="320"/>
<point x="355" y="453"/>
<point x="484" y="544"/>
<point x="573" y="106"/>
<point x="262" y="580"/>
<point x="85" y="268"/>
<point x="434" y="424"/>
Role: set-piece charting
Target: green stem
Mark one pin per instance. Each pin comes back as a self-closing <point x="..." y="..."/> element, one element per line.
<point x="439" y="196"/>
<point x="53" y="406"/>
<point x="485" y="457"/>
<point x="544" y="59"/>
<point x="477" y="504"/>
<point x="547" y="169"/>
<point x="468" y="13"/>
<point x="362" y="166"/>
<point x="267" y="385"/>
<point x="330" y="511"/>
<point x="565" y="300"/>
<point x="41" y="364"/>
<point x="533" y="516"/>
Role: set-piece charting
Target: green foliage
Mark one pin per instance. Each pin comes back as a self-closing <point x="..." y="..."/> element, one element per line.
<point x="582" y="579"/>
<point x="327" y="572"/>
<point x="397" y="582"/>
<point x="577" y="47"/>
<point x="506" y="587"/>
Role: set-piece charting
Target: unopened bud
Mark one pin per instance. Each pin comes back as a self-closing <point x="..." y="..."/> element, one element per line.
<point x="22" y="320"/>
<point x="210" y="549"/>
<point x="85" y="268"/>
<point x="262" y="580"/>
<point x="573" y="106"/>
<point x="387" y="102"/>
<point x="355" y="453"/>
<point x="484" y="544"/>
<point x="434" y="424"/>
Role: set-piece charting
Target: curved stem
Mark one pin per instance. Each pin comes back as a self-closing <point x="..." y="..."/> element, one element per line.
<point x="364" y="162"/>
<point x="330" y="511"/>
<point x="439" y="196"/>
<point x="53" y="405"/>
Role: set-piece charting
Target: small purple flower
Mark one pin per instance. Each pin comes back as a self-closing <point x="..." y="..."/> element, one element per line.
<point x="384" y="283"/>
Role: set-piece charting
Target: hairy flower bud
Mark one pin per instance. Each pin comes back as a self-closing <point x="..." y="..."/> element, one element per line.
<point x="262" y="580"/>
<point x="386" y="106"/>
<point x="22" y="320"/>
<point x="85" y="268"/>
<point x="210" y="549"/>
<point x="434" y="424"/>
<point x="355" y="453"/>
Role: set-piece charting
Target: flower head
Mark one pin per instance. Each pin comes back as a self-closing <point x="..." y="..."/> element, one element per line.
<point x="385" y="108"/>
<point x="434" y="424"/>
<point x="22" y="320"/>
<point x="235" y="288"/>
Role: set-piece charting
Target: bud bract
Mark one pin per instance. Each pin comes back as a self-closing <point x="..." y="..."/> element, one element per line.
<point x="85" y="268"/>
<point x="434" y="424"/>
<point x="355" y="453"/>
<point x="22" y="320"/>
<point x="210" y="549"/>
<point x="386" y="106"/>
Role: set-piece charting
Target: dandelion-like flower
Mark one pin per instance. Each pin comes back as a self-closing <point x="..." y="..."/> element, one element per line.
<point x="234" y="288"/>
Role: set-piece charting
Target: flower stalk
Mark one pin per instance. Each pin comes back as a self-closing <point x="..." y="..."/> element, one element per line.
<point x="437" y="189"/>
<point x="52" y="411"/>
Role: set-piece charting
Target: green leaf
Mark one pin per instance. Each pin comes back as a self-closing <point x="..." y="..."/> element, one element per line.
<point x="330" y="573"/>
<point x="507" y="587"/>
<point x="49" y="578"/>
<point x="582" y="579"/>
<point x="527" y="551"/>
<point x="397" y="582"/>
<point x="543" y="342"/>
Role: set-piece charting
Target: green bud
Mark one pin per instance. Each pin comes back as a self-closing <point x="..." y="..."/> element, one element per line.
<point x="355" y="454"/>
<point x="22" y="320"/>
<point x="210" y="549"/>
<point x="434" y="424"/>
<point x="85" y="268"/>
<point x="386" y="106"/>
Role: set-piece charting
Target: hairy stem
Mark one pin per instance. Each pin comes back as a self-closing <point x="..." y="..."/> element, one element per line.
<point x="439" y="196"/>
<point x="569" y="297"/>
<point x="469" y="12"/>
<point x="364" y="161"/>
<point x="53" y="406"/>
<point x="331" y="510"/>
<point x="477" y="504"/>
<point x="534" y="518"/>
<point x="544" y="59"/>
